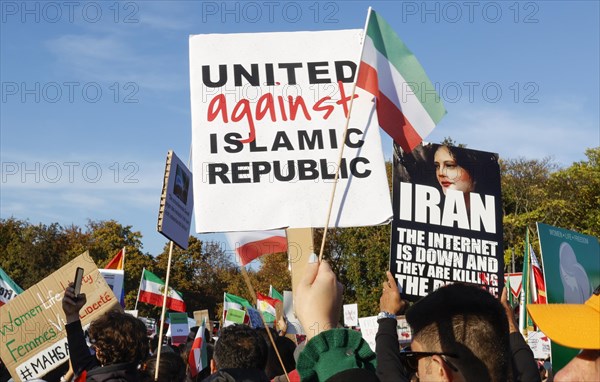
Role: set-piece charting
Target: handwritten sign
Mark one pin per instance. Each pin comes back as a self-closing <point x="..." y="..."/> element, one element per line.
<point x="369" y="327"/>
<point x="33" y="338"/>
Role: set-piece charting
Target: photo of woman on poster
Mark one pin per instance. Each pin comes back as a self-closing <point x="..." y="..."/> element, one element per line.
<point x="465" y="170"/>
<point x="450" y="168"/>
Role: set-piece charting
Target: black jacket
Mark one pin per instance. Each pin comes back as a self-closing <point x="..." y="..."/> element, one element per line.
<point x="389" y="365"/>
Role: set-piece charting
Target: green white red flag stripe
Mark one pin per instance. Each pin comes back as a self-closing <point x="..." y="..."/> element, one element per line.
<point x="8" y="288"/>
<point x="408" y="107"/>
<point x="231" y="301"/>
<point x="253" y="244"/>
<point x="198" y="358"/>
<point x="151" y="292"/>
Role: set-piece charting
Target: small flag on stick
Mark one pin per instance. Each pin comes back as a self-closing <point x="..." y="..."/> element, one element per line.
<point x="198" y="358"/>
<point x="251" y="245"/>
<point x="9" y="288"/>
<point x="152" y="289"/>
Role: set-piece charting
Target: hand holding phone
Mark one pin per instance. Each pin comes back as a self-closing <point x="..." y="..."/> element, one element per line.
<point x="77" y="282"/>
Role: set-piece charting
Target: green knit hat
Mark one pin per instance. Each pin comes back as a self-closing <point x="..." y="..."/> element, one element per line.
<point x="334" y="351"/>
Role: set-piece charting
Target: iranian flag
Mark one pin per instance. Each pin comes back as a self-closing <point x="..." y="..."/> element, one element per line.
<point x="8" y="288"/>
<point x="234" y="310"/>
<point x="408" y="106"/>
<point x="266" y="305"/>
<point x="152" y="289"/>
<point x="252" y="244"/>
<point x="198" y="358"/>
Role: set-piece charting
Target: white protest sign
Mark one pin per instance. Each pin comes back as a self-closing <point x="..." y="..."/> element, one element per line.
<point x="369" y="327"/>
<point x="268" y="117"/>
<point x="178" y="328"/>
<point x="351" y="314"/>
<point x="293" y="324"/>
<point x="176" y="202"/>
<point x="539" y="344"/>
<point x="114" y="278"/>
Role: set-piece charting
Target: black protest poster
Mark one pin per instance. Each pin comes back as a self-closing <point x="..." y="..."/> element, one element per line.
<point x="447" y="224"/>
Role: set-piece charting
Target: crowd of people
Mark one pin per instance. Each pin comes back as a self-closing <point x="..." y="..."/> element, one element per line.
<point x="460" y="333"/>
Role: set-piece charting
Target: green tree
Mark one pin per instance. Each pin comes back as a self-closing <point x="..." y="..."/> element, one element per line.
<point x="106" y="239"/>
<point x="201" y="273"/>
<point x="574" y="196"/>
<point x="31" y="252"/>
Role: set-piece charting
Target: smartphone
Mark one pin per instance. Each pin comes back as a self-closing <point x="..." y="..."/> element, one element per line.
<point x="77" y="281"/>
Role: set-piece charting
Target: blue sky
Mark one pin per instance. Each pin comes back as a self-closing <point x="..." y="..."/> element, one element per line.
<point x="94" y="94"/>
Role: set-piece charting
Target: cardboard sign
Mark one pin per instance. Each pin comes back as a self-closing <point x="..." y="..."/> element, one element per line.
<point x="447" y="223"/>
<point x="369" y="327"/>
<point x="202" y="315"/>
<point x="571" y="262"/>
<point x="268" y="118"/>
<point x="176" y="202"/>
<point x="33" y="338"/>
<point x="351" y="315"/>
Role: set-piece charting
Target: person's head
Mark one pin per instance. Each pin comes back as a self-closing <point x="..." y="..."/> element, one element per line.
<point x="171" y="368"/>
<point x="459" y="331"/>
<point x="452" y="170"/>
<point x="118" y="338"/>
<point x="240" y="347"/>
<point x="575" y="326"/>
<point x="286" y="348"/>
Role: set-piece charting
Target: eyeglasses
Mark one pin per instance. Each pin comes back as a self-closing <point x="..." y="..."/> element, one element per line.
<point x="411" y="358"/>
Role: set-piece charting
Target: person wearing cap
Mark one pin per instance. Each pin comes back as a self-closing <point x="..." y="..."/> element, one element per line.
<point x="575" y="326"/>
<point x="331" y="354"/>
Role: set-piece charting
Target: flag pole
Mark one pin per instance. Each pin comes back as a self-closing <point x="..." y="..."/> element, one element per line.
<point x="139" y="287"/>
<point x="512" y="259"/>
<point x="253" y="294"/>
<point x="164" y="308"/>
<point x="339" y="162"/>
<point x="524" y="288"/>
